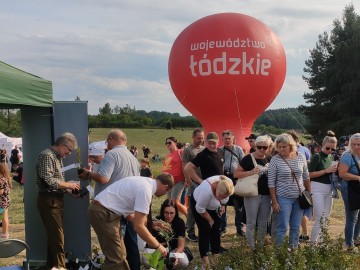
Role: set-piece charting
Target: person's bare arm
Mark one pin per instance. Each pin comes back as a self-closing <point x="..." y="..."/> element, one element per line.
<point x="94" y="176"/>
<point x="139" y="222"/>
<point x="345" y="175"/>
<point x="188" y="179"/>
<point x="190" y="171"/>
<point x="241" y="173"/>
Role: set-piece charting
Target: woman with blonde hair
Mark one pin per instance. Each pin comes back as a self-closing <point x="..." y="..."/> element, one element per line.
<point x="257" y="208"/>
<point x="321" y="168"/>
<point x="5" y="187"/>
<point x="287" y="174"/>
<point x="350" y="188"/>
<point x="207" y="203"/>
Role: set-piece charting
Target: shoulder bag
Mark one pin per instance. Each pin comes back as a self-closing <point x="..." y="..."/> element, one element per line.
<point x="305" y="199"/>
<point x="247" y="186"/>
<point x="354" y="191"/>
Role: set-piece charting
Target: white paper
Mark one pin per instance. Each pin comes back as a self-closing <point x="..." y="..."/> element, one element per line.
<point x="71" y="166"/>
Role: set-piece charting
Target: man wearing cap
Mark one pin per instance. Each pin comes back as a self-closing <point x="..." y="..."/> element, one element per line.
<point x="117" y="164"/>
<point x="96" y="155"/>
<point x="251" y="139"/>
<point x="210" y="160"/>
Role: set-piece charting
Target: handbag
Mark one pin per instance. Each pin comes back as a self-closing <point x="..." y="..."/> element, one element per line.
<point x="247" y="186"/>
<point x="305" y="199"/>
<point x="188" y="253"/>
<point x="354" y="191"/>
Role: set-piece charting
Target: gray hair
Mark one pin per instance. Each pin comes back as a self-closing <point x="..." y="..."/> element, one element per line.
<point x="264" y="138"/>
<point x="353" y="137"/>
<point x="67" y="138"/>
<point x="287" y="139"/>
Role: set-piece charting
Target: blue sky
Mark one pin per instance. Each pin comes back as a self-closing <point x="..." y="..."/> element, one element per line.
<point x="117" y="51"/>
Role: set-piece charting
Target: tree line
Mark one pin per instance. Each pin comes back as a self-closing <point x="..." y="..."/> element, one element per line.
<point x="271" y="121"/>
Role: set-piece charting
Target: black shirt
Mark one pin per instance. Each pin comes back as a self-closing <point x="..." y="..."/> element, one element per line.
<point x="210" y="163"/>
<point x="178" y="227"/>
<point x="247" y="164"/>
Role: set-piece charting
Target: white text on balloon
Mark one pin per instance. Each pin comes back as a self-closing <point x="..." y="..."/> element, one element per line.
<point x="232" y="65"/>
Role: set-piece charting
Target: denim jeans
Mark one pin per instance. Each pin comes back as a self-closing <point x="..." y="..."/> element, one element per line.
<point x="258" y="210"/>
<point x="351" y="217"/>
<point x="132" y="250"/>
<point x="290" y="215"/>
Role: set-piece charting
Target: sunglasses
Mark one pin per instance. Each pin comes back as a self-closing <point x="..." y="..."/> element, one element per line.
<point x="167" y="143"/>
<point x="328" y="148"/>
<point x="262" y="147"/>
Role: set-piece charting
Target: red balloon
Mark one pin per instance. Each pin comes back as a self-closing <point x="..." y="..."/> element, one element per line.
<point x="226" y="69"/>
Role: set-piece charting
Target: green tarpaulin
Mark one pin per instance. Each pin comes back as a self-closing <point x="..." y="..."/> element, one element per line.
<point x="18" y="87"/>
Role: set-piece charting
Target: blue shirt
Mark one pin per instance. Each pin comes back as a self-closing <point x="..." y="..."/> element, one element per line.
<point x="348" y="160"/>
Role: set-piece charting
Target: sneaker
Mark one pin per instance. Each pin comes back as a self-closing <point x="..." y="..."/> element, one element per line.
<point x="192" y="237"/>
<point x="304" y="237"/>
<point x="4" y="236"/>
<point x="222" y="250"/>
<point x="357" y="242"/>
<point x="353" y="249"/>
<point x="223" y="232"/>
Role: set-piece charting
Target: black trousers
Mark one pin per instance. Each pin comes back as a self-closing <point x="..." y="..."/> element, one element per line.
<point x="207" y="235"/>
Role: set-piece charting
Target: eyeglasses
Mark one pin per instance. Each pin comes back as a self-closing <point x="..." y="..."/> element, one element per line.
<point x="262" y="147"/>
<point x="68" y="148"/>
<point x="332" y="149"/>
<point x="168" y="143"/>
<point x="169" y="213"/>
<point x="356" y="144"/>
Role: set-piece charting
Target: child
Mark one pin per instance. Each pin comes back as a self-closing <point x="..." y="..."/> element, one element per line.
<point x="5" y="186"/>
<point x="145" y="170"/>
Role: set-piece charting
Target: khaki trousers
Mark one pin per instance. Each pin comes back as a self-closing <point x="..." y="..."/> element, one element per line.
<point x="51" y="208"/>
<point x="107" y="227"/>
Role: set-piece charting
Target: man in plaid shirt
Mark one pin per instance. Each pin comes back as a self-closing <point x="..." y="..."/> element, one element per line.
<point x="52" y="186"/>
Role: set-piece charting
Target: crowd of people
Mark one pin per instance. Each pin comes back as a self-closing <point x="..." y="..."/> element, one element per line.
<point x="124" y="188"/>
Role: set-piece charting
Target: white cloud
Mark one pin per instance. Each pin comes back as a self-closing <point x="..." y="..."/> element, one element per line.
<point x="116" y="51"/>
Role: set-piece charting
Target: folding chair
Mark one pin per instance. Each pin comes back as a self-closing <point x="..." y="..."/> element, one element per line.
<point x="12" y="247"/>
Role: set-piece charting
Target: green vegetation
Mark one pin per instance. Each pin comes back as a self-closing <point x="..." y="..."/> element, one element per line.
<point x="10" y="122"/>
<point x="333" y="74"/>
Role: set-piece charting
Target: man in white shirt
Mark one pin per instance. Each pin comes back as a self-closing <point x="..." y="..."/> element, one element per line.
<point x="129" y="198"/>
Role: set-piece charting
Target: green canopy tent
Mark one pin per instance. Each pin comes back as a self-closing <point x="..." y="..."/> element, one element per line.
<point x="42" y="120"/>
<point x="18" y="87"/>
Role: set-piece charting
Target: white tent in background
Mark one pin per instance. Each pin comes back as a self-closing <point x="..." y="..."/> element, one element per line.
<point x="8" y="143"/>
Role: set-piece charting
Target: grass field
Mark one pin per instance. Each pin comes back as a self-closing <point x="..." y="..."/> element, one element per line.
<point x="155" y="139"/>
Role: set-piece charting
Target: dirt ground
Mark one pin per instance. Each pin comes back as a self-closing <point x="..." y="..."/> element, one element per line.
<point x="17" y="231"/>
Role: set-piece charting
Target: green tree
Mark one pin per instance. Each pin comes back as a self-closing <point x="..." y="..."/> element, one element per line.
<point x="333" y="77"/>
<point x="106" y="110"/>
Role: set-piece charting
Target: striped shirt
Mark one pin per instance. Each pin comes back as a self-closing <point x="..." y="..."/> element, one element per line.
<point x="280" y="178"/>
<point x="48" y="171"/>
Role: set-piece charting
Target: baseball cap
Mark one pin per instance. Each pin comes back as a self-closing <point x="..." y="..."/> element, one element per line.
<point x="251" y="137"/>
<point x="96" y="149"/>
<point x="212" y="137"/>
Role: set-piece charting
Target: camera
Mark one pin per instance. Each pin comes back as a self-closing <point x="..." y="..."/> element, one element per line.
<point x="170" y="262"/>
<point x="82" y="192"/>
